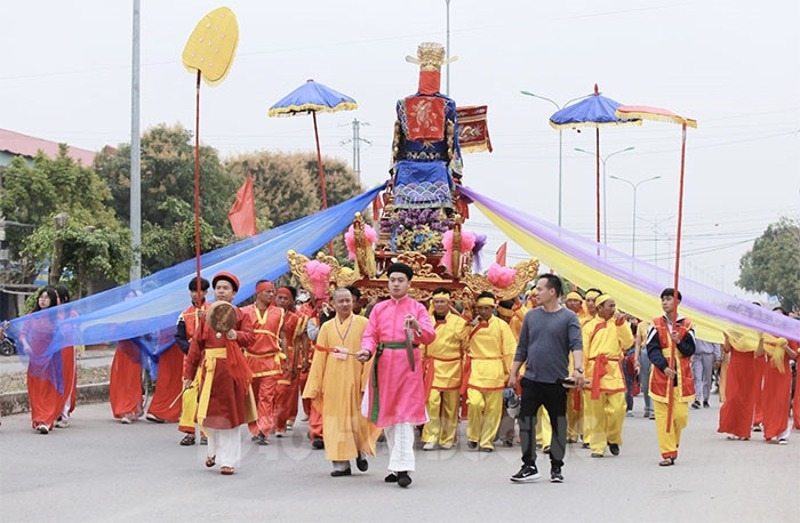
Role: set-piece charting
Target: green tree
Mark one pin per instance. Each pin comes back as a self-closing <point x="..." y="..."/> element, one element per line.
<point x="168" y="194"/>
<point x="773" y="264"/>
<point x="286" y="186"/>
<point x="90" y="243"/>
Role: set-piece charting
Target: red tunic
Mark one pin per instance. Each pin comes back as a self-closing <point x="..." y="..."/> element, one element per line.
<point x="736" y="414"/>
<point x="125" y="383"/>
<point x="168" y="385"/>
<point x="222" y="399"/>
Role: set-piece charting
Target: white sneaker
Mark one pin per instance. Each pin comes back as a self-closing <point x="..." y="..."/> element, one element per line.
<point x="41" y="428"/>
<point x="125" y="420"/>
<point x="429" y="446"/>
<point x="782" y="441"/>
<point x="62" y="423"/>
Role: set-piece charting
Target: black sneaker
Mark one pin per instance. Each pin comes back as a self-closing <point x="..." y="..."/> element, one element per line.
<point x="614" y="449"/>
<point x="555" y="475"/>
<point x="391" y="478"/>
<point x="472" y="445"/>
<point x="695" y="404"/>
<point x="526" y="474"/>
<point x="706" y="405"/>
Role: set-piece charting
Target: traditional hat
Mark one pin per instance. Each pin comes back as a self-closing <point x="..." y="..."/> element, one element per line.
<point x="401" y="268"/>
<point x="574" y="296"/>
<point x="228" y="277"/>
<point x="431" y="56"/>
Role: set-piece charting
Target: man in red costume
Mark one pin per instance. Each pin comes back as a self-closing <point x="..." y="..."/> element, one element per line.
<point x="288" y="383"/>
<point x="188" y="323"/>
<point x="225" y="380"/>
<point x="266" y="357"/>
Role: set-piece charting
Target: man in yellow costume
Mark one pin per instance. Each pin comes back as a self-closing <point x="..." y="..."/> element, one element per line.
<point x="574" y="302"/>
<point x="605" y="339"/>
<point x="442" y="363"/>
<point x="587" y="314"/>
<point x="336" y="385"/>
<point x="670" y="348"/>
<point x="492" y="346"/>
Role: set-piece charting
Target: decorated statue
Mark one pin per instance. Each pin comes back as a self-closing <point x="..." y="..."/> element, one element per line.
<point x="426" y="157"/>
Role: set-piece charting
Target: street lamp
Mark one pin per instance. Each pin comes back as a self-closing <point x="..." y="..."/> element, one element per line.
<point x="604" y="159"/>
<point x="560" y="139"/>
<point x="634" y="186"/>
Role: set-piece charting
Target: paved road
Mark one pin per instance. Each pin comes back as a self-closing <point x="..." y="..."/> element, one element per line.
<point x="100" y="470"/>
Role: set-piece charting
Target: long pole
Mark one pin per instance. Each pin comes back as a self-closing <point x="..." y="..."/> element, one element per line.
<point x="677" y="271"/>
<point x="136" y="167"/>
<point x="597" y="191"/>
<point x="560" y="170"/>
<point x="197" y="182"/>
<point x="321" y="173"/>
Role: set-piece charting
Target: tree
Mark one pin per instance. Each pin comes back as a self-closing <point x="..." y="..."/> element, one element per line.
<point x="90" y="241"/>
<point x="773" y="264"/>
<point x="286" y="186"/>
<point x="168" y="194"/>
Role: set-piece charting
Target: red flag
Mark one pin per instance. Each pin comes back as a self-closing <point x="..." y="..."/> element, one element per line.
<point x="243" y="213"/>
<point x="500" y="257"/>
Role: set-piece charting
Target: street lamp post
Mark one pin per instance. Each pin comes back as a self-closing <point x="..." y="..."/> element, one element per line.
<point x="605" y="159"/>
<point x="560" y="141"/>
<point x="635" y="187"/>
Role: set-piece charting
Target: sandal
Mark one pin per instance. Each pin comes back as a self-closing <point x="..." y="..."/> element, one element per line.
<point x="226" y="471"/>
<point x="666" y="462"/>
<point x="211" y="461"/>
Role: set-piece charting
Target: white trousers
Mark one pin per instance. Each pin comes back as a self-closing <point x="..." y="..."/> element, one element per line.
<point x="226" y="445"/>
<point x="400" y="439"/>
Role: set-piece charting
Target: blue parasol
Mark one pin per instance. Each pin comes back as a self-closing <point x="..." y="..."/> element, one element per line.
<point x="594" y="111"/>
<point x="313" y="97"/>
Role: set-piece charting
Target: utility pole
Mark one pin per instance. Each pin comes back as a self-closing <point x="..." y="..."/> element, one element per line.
<point x="356" y="141"/>
<point x="136" y="167"/>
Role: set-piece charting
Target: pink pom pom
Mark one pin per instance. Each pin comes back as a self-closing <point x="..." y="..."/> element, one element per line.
<point x="319" y="274"/>
<point x="499" y="276"/>
<point x="467" y="241"/>
<point x="350" y="242"/>
<point x="447" y="240"/>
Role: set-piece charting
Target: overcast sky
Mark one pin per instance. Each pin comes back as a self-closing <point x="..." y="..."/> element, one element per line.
<point x="732" y="65"/>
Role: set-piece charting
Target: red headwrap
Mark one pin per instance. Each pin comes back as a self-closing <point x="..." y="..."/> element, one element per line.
<point x="283" y="291"/>
<point x="265" y="286"/>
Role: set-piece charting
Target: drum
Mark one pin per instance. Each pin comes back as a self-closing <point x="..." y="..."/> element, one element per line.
<point x="221" y="316"/>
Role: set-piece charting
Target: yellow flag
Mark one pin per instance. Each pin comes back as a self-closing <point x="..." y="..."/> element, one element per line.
<point x="212" y="44"/>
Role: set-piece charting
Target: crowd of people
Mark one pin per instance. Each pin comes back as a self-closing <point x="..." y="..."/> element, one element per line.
<point x="545" y="370"/>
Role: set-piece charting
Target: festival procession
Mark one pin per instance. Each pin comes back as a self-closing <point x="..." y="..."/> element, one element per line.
<point x="386" y="324"/>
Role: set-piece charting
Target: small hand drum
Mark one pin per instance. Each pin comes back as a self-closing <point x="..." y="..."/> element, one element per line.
<point x="221" y="316"/>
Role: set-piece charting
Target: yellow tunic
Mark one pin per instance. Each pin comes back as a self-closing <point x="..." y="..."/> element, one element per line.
<point x="492" y="346"/>
<point x="446" y="352"/>
<point x="336" y="384"/>
<point x="605" y="341"/>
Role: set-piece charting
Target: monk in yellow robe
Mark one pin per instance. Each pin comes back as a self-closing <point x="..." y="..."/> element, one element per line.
<point x="336" y="385"/>
<point x="574" y="302"/>
<point x="605" y="339"/>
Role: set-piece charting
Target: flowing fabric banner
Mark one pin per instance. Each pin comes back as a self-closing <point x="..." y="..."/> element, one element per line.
<point x="634" y="284"/>
<point x="150" y="307"/>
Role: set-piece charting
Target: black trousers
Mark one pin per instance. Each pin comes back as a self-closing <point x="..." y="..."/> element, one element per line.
<point x="554" y="398"/>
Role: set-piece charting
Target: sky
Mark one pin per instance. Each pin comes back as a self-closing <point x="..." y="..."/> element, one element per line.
<point x="734" y="66"/>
